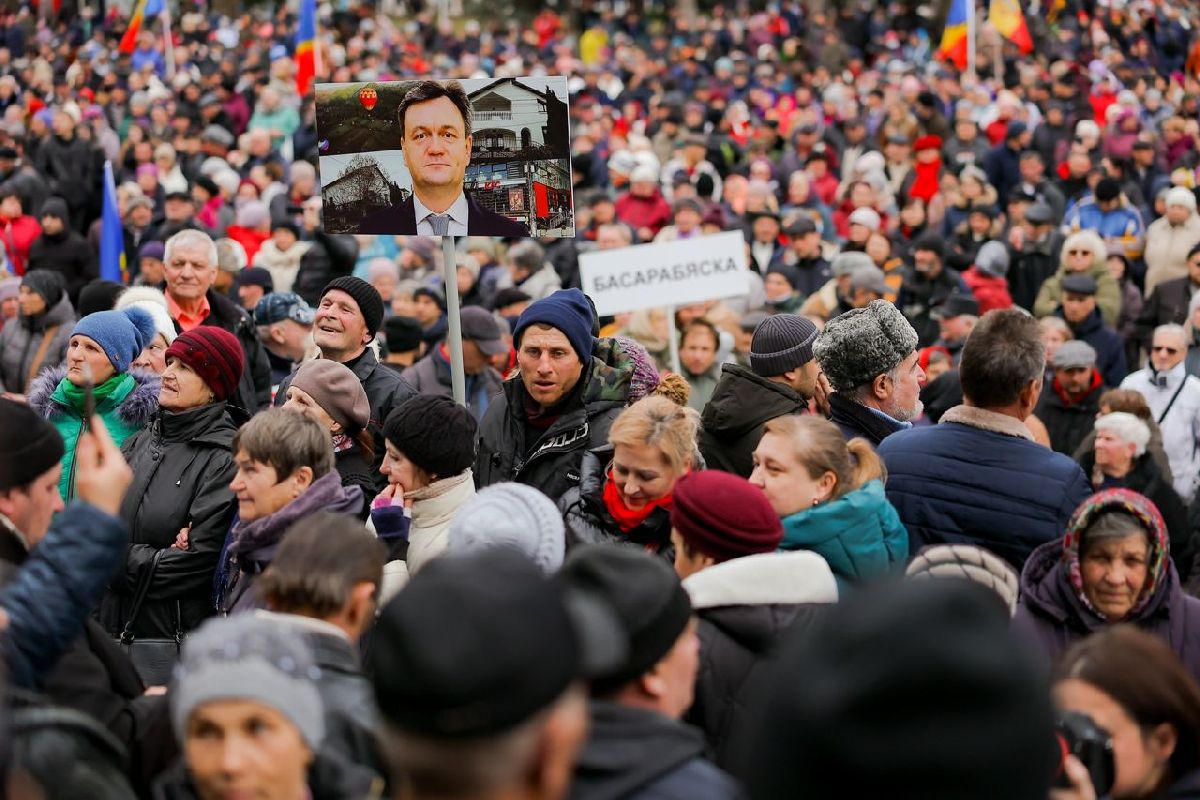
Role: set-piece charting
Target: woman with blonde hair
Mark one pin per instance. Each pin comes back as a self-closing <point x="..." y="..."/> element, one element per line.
<point x="625" y="488"/>
<point x="829" y="494"/>
<point x="1084" y="252"/>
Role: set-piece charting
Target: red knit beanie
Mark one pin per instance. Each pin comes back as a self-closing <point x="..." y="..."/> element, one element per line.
<point x="724" y="516"/>
<point x="214" y="354"/>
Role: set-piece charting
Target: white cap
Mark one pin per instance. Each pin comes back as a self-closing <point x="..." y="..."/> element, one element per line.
<point x="867" y="217"/>
<point x="1181" y="196"/>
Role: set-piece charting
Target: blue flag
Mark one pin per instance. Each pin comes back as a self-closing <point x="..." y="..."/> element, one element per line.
<point x="154" y="7"/>
<point x="112" y="238"/>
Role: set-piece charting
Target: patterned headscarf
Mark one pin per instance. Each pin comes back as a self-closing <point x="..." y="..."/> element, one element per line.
<point x="1137" y="506"/>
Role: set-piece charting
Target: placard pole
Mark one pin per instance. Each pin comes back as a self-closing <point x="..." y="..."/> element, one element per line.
<point x="674" y="333"/>
<point x="458" y="381"/>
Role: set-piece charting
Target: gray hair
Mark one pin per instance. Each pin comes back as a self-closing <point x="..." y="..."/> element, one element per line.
<point x="527" y="255"/>
<point x="1109" y="526"/>
<point x="1174" y="329"/>
<point x="192" y="238"/>
<point x="1126" y="427"/>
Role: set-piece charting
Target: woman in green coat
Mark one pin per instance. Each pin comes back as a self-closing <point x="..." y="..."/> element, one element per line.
<point x="829" y="495"/>
<point x="100" y="349"/>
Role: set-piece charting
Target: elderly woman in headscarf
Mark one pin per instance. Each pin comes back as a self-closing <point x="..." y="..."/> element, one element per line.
<point x="1112" y="566"/>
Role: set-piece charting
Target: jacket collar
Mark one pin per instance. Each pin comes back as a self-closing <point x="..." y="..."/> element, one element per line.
<point x="764" y="579"/>
<point x="985" y="420"/>
<point x="437" y="502"/>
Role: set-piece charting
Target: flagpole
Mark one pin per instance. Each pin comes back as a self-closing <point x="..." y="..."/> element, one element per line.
<point x="168" y="44"/>
<point x="971" y="41"/>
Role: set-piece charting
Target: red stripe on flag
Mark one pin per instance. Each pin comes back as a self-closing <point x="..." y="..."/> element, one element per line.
<point x="129" y="40"/>
<point x="306" y="69"/>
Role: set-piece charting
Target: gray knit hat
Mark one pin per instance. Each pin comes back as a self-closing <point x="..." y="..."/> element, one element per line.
<point x="510" y="515"/>
<point x="992" y="259"/>
<point x="782" y="343"/>
<point x="863" y="343"/>
<point x="247" y="657"/>
<point x="845" y="263"/>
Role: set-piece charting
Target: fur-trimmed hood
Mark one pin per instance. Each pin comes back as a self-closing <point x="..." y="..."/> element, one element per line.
<point x="136" y="409"/>
<point x="764" y="579"/>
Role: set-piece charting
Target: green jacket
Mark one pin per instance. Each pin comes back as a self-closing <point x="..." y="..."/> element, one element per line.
<point x="859" y="534"/>
<point x="126" y="411"/>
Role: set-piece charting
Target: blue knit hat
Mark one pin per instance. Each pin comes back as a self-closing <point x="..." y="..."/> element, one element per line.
<point x="569" y="311"/>
<point x="122" y="334"/>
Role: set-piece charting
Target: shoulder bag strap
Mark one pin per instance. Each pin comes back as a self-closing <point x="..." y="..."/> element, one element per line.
<point x="139" y="597"/>
<point x="1174" y="397"/>
<point x="40" y="355"/>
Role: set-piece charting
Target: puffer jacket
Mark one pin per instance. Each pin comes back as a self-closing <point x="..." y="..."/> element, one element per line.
<point x="432" y="509"/>
<point x="1052" y="613"/>
<point x="182" y="465"/>
<point x="977" y="477"/>
<point x="21" y="338"/>
<point x="1121" y="228"/>
<point x="588" y="521"/>
<point x="859" y="534"/>
<point x="733" y="420"/>
<point x="551" y="463"/>
<point x="744" y="607"/>
<point x="126" y="411"/>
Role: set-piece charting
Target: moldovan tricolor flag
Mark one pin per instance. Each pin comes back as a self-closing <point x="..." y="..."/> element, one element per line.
<point x="306" y="44"/>
<point x="954" y="37"/>
<point x="129" y="40"/>
<point x="1006" y="17"/>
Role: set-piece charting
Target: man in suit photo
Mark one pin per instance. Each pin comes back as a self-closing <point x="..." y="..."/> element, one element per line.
<point x="435" y="123"/>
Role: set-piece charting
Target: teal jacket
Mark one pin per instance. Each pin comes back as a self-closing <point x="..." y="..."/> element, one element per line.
<point x="859" y="534"/>
<point x="125" y="412"/>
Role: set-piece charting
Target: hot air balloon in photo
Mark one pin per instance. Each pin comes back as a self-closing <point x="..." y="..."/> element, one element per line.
<point x="368" y="97"/>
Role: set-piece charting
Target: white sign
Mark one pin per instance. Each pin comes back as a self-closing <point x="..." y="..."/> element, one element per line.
<point x="666" y="274"/>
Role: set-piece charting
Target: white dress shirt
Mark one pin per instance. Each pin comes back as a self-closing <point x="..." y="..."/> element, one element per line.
<point x="458" y="217"/>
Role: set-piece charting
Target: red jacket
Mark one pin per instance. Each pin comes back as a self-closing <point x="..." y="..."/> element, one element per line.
<point x="990" y="291"/>
<point x="651" y="212"/>
<point x="18" y="234"/>
<point x="250" y="240"/>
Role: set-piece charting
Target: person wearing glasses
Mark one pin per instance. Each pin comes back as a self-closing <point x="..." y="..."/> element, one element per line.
<point x="1174" y="400"/>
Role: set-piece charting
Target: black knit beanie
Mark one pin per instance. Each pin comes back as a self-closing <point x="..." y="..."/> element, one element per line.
<point x="782" y="343"/>
<point x="46" y="283"/>
<point x="30" y="446"/>
<point x="433" y="432"/>
<point x="370" y="304"/>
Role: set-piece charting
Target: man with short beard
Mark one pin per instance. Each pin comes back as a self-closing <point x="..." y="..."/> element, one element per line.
<point x="870" y="357"/>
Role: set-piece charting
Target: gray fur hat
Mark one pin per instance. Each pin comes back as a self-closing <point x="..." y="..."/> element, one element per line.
<point x="863" y="343"/>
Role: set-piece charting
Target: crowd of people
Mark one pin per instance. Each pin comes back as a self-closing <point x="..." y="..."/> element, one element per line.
<point x="918" y="514"/>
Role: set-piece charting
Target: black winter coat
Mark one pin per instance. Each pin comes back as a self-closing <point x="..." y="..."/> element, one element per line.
<point x="1068" y="425"/>
<point x="182" y="465"/>
<point x="69" y="255"/>
<point x="637" y="754"/>
<point x="331" y="256"/>
<point x="1030" y="268"/>
<point x="552" y="461"/>
<point x="733" y="420"/>
<point x="587" y="519"/>
<point x="920" y="295"/>
<point x="385" y="390"/>
<point x="1168" y="303"/>
<point x="745" y="605"/>
<point x="254" y="389"/>
<point x="69" y="167"/>
<point x="855" y="420"/>
<point x="1110" y="350"/>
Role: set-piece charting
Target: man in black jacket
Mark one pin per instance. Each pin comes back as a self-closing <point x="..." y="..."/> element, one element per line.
<point x="870" y="357"/>
<point x="1069" y="405"/>
<point x="190" y="267"/>
<point x="561" y="405"/>
<point x="62" y="250"/>
<point x="348" y="317"/>
<point x="1036" y="250"/>
<point x="637" y="747"/>
<point x="71" y="167"/>
<point x="782" y="378"/>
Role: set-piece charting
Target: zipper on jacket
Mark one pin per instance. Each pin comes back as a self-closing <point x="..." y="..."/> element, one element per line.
<point x="83" y="428"/>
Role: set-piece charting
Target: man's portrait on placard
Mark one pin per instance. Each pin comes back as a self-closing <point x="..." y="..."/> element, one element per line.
<point x="478" y="157"/>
